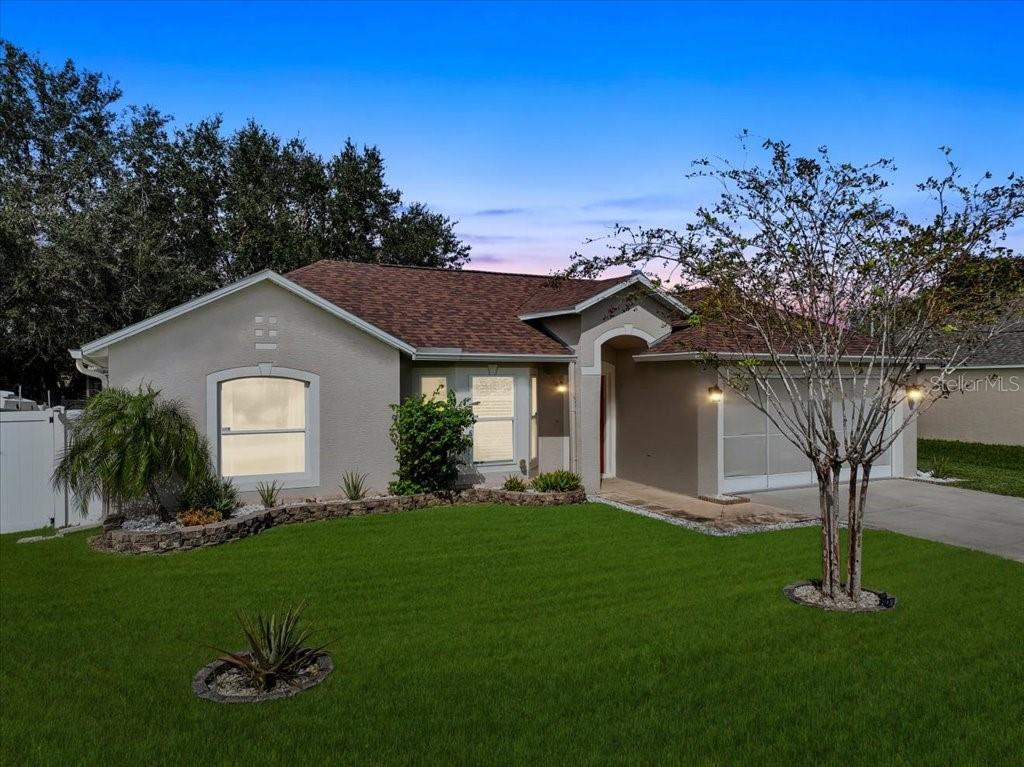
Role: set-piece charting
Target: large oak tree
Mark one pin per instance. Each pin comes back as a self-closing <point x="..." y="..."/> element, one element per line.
<point x="109" y="215"/>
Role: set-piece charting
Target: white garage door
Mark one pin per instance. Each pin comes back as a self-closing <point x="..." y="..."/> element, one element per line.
<point x="755" y="456"/>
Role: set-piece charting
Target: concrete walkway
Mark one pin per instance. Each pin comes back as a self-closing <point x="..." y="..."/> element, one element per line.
<point x="745" y="517"/>
<point x="945" y="513"/>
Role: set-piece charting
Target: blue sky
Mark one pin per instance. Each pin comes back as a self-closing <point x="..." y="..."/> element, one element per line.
<point x="538" y="125"/>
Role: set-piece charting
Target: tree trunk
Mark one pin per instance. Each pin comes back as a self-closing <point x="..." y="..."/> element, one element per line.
<point x="828" y="489"/>
<point x="858" y="502"/>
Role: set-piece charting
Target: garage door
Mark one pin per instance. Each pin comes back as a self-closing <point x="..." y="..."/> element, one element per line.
<point x="756" y="456"/>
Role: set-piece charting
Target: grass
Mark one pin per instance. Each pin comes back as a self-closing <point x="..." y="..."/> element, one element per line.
<point x="992" y="468"/>
<point x="490" y="634"/>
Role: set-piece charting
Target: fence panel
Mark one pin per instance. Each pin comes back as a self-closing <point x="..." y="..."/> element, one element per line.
<point x="31" y="442"/>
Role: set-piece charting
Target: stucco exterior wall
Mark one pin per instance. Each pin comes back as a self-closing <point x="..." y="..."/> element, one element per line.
<point x="657" y="422"/>
<point x="601" y="323"/>
<point x="359" y="375"/>
<point x="987" y="405"/>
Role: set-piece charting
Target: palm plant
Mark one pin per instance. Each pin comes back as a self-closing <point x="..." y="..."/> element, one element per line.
<point x="353" y="485"/>
<point x="128" y="446"/>
<point x="277" y="651"/>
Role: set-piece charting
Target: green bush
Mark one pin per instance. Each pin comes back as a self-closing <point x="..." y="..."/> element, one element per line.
<point x="514" y="483"/>
<point x="353" y="485"/>
<point x="131" y="445"/>
<point x="269" y="493"/>
<point x="211" y="492"/>
<point x="560" y="481"/>
<point x="431" y="440"/>
<point x="279" y="648"/>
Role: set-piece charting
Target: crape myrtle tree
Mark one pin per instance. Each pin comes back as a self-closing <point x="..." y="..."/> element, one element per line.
<point x="825" y="302"/>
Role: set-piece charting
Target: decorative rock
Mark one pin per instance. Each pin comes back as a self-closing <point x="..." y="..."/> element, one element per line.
<point x="119" y="540"/>
<point x="204" y="683"/>
<point x="808" y="593"/>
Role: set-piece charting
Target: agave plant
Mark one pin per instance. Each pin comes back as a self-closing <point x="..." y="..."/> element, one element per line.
<point x="278" y="648"/>
<point x="269" y="492"/>
<point x="129" y="445"/>
<point x="353" y="485"/>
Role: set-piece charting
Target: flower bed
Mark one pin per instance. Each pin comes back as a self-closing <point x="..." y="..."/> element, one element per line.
<point x="116" y="539"/>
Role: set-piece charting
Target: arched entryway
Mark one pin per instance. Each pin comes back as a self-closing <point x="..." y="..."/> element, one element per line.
<point x="616" y="396"/>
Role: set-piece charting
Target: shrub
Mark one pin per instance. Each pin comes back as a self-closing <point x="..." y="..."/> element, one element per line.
<point x="560" y="481"/>
<point x="431" y="440"/>
<point x="278" y="649"/>
<point x="193" y="517"/>
<point x="403" y="487"/>
<point x="211" y="492"/>
<point x="269" y="493"/>
<point x="515" y="483"/>
<point x="353" y="485"/>
<point x="129" y="446"/>
<point x="940" y="467"/>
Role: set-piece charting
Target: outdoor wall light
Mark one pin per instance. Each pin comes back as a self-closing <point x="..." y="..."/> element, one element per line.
<point x="915" y="393"/>
<point x="715" y="393"/>
<point x="561" y="388"/>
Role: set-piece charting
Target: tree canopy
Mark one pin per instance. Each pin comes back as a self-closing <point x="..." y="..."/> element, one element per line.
<point x="111" y="214"/>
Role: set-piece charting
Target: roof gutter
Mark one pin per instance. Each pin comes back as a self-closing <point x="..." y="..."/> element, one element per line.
<point x="89" y="367"/>
<point x="457" y="355"/>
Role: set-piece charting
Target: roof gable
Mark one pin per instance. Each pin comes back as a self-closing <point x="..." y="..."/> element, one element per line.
<point x="267" y="275"/>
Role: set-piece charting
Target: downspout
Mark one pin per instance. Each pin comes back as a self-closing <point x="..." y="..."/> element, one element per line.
<point x="90" y="368"/>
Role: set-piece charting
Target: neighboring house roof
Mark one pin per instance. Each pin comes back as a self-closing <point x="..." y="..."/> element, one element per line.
<point x="1005" y="350"/>
<point x="714" y="337"/>
<point x="426" y="312"/>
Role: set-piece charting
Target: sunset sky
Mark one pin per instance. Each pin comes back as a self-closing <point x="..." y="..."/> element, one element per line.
<point x="539" y="125"/>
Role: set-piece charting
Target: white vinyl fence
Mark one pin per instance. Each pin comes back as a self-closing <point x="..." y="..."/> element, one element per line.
<point x="31" y="443"/>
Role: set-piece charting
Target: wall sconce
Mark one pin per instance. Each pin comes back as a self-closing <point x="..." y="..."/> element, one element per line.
<point x="561" y="388"/>
<point x="715" y="393"/>
<point x="915" y="393"/>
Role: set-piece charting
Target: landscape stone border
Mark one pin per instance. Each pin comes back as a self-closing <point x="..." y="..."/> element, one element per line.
<point x="886" y="601"/>
<point x="201" y="683"/>
<point x="115" y="539"/>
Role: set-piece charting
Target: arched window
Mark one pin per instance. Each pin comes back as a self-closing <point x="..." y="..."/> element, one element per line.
<point x="264" y="427"/>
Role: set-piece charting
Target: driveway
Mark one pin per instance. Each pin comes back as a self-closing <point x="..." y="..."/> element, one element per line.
<point x="982" y="521"/>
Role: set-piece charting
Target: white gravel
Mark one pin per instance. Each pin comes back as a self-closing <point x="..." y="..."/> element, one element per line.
<point x="812" y="595"/>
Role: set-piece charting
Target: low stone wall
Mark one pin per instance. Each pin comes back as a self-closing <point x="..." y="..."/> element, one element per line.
<point x="134" y="542"/>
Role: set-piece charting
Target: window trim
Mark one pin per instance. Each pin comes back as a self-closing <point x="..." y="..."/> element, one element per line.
<point x="311" y="476"/>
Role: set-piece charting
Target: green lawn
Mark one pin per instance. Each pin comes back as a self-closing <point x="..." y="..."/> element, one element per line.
<point x="516" y="635"/>
<point x="992" y="468"/>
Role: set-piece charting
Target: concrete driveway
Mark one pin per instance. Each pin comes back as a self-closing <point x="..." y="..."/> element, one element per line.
<point x="982" y="521"/>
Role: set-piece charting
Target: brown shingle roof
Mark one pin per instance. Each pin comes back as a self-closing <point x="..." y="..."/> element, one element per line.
<point x="444" y="308"/>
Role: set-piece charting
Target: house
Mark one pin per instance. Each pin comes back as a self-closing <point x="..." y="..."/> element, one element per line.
<point x="986" y="397"/>
<point x="291" y="378"/>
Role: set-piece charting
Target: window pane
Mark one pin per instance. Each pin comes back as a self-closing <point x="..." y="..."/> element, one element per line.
<point x="492" y="441"/>
<point x="743" y="456"/>
<point x="434" y="387"/>
<point x="243" y="455"/>
<point x="492" y="397"/>
<point x="262" y="403"/>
